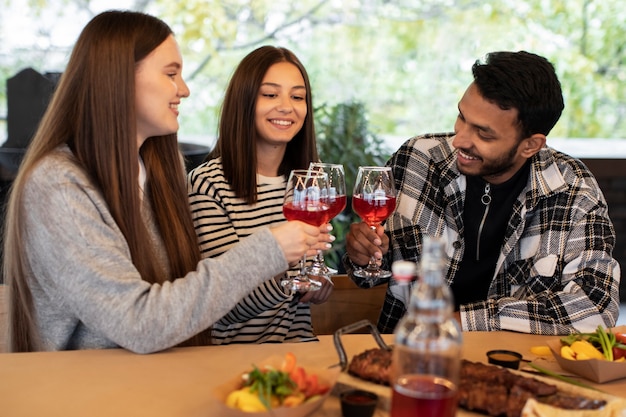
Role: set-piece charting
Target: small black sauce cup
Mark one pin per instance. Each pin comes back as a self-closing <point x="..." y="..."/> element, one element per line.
<point x="505" y="358"/>
<point x="358" y="403"/>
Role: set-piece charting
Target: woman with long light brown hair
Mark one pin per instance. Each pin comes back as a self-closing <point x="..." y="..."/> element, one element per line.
<point x="99" y="248"/>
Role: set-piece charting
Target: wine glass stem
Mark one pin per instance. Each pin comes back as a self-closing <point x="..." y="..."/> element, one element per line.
<point x="303" y="266"/>
<point x="372" y="263"/>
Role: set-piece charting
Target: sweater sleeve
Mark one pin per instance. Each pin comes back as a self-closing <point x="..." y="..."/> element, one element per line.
<point x="217" y="234"/>
<point x="84" y="275"/>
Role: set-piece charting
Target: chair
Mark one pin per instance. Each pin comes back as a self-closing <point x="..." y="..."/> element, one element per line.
<point x="346" y="305"/>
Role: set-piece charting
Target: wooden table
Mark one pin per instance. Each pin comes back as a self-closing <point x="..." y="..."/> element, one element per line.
<point x="179" y="382"/>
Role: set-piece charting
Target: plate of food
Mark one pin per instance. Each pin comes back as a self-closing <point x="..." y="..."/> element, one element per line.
<point x="277" y="386"/>
<point x="490" y="390"/>
<point x="598" y="356"/>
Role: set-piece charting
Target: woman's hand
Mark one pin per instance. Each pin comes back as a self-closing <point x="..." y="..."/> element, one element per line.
<point x="326" y="238"/>
<point x="297" y="238"/>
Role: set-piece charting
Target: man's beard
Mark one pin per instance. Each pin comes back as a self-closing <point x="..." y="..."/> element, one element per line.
<point x="493" y="168"/>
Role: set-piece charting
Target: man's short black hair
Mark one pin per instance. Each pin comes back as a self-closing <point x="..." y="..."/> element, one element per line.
<point x="524" y="81"/>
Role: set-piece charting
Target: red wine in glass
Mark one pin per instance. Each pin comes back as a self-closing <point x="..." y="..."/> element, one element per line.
<point x="313" y="215"/>
<point x="337" y="204"/>
<point x="423" y="395"/>
<point x="335" y="196"/>
<point x="373" y="211"/>
<point x="304" y="201"/>
<point x="373" y="200"/>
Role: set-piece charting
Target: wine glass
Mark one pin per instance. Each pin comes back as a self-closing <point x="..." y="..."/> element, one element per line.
<point x="336" y="197"/>
<point x="303" y="201"/>
<point x="373" y="200"/>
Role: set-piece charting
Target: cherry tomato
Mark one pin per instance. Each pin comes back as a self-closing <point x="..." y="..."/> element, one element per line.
<point x="621" y="337"/>
<point x="618" y="353"/>
<point x="289" y="363"/>
<point x="298" y="375"/>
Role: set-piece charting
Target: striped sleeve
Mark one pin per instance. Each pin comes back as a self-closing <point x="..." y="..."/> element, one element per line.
<point x="269" y="313"/>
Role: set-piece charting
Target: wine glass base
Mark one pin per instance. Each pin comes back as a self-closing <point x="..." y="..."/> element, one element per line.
<point x="320" y="270"/>
<point x="371" y="274"/>
<point x="301" y="284"/>
<point x="331" y="271"/>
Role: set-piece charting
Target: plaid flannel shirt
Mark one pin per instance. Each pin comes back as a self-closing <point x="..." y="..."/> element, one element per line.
<point x="555" y="273"/>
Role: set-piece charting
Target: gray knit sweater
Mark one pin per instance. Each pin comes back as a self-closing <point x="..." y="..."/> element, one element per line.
<point x="86" y="290"/>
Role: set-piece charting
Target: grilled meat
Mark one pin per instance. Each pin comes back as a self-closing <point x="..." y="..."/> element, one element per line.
<point x="499" y="392"/>
<point x="487" y="389"/>
<point x="372" y="365"/>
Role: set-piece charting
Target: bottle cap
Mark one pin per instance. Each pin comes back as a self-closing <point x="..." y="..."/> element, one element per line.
<point x="404" y="271"/>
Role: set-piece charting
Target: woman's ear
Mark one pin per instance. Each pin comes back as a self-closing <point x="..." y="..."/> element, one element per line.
<point x="532" y="145"/>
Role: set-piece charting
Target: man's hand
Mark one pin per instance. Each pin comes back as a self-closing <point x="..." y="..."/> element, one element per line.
<point x="362" y="243"/>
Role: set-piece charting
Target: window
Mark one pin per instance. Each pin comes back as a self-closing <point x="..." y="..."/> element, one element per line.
<point x="409" y="64"/>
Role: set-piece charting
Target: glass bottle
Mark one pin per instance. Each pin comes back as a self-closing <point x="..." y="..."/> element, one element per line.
<point x="427" y="353"/>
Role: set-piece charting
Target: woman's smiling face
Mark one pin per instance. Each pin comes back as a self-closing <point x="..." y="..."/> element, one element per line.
<point x="159" y="86"/>
<point x="281" y="104"/>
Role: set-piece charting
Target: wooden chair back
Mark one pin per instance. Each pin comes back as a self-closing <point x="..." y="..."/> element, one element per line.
<point x="346" y="305"/>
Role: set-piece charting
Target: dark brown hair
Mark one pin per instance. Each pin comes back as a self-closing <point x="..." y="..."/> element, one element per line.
<point x="236" y="143"/>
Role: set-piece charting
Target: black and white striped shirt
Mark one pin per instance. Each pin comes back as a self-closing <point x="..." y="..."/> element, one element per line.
<point x="269" y="313"/>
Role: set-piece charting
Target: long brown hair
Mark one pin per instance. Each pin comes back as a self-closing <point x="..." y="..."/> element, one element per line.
<point x="93" y="112"/>
<point x="236" y="143"/>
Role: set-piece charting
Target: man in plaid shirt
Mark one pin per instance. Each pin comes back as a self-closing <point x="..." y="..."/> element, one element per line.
<point x="526" y="228"/>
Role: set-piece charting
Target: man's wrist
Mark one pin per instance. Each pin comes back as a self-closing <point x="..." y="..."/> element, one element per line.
<point x="349" y="264"/>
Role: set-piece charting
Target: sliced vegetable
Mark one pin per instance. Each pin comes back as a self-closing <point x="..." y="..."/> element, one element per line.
<point x="585" y="350"/>
<point x="607" y="343"/>
<point x="246" y="400"/>
<point x="561" y="377"/>
<point x="568" y="353"/>
<point x="289" y="363"/>
<point x="618" y="353"/>
<point x="298" y="376"/>
<point x="294" y="400"/>
<point x="264" y="389"/>
<point x="541" y="350"/>
<point x="268" y="383"/>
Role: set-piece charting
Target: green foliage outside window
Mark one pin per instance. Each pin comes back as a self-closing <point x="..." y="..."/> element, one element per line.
<point x="407" y="61"/>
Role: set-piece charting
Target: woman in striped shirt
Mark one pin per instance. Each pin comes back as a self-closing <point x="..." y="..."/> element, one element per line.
<point x="265" y="131"/>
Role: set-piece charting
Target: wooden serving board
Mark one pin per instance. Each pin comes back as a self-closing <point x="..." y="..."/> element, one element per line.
<point x="347" y="381"/>
<point x="616" y="406"/>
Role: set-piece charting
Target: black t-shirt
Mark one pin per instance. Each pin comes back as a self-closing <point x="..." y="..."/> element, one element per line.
<point x="484" y="233"/>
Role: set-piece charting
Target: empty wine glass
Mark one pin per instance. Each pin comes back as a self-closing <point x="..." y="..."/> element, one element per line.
<point x="373" y="200"/>
<point x="303" y="201"/>
<point x="336" y="198"/>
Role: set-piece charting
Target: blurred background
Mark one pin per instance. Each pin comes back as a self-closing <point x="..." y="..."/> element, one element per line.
<point x="407" y="61"/>
<point x="382" y="71"/>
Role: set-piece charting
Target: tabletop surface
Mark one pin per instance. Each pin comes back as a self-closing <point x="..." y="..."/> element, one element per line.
<point x="181" y="382"/>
